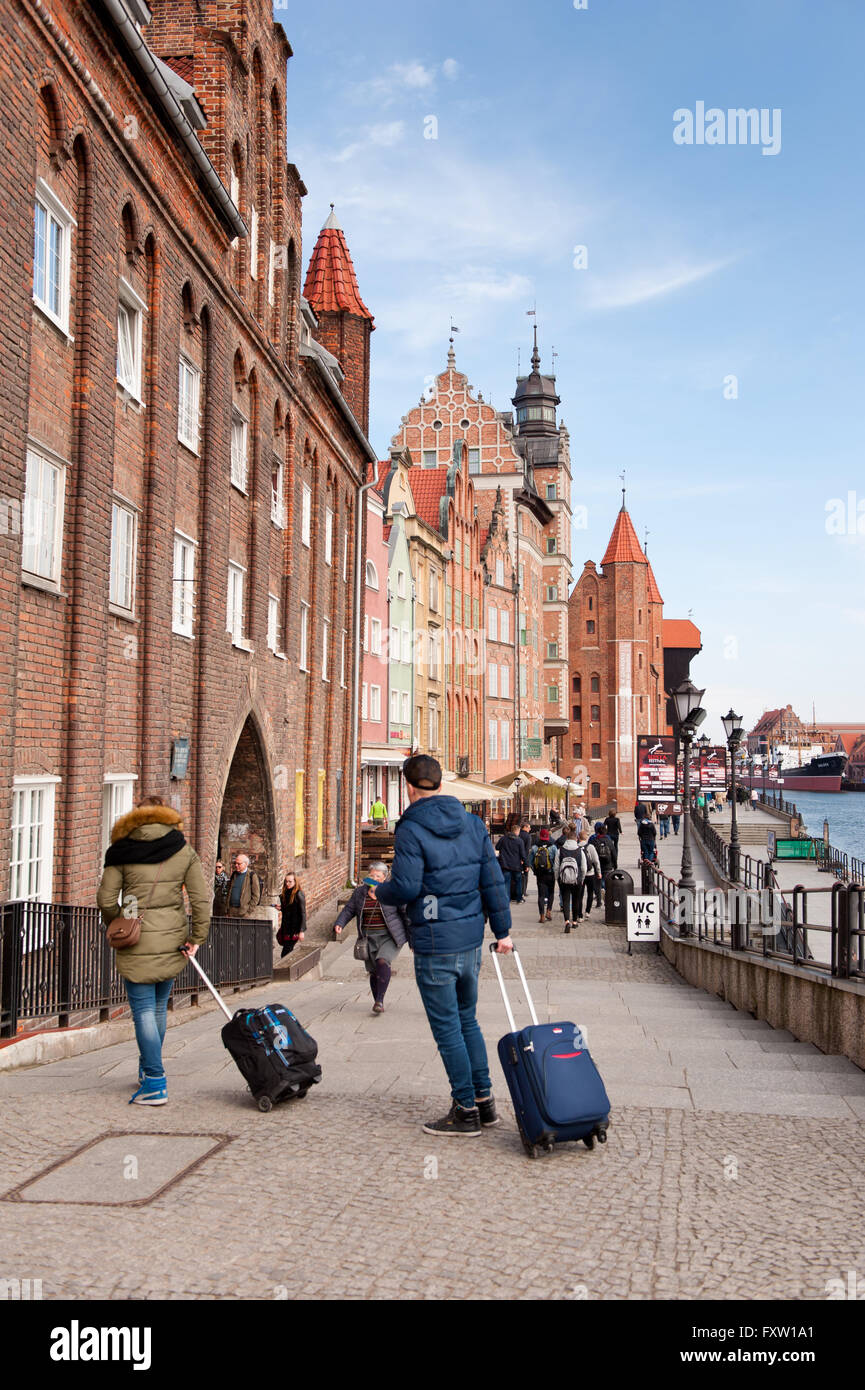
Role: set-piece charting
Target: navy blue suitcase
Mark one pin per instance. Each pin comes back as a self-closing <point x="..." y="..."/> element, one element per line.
<point x="555" y="1087"/>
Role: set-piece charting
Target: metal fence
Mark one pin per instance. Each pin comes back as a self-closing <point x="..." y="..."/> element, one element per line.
<point x="55" y="962"/>
<point x="751" y="872"/>
<point x="771" y="922"/>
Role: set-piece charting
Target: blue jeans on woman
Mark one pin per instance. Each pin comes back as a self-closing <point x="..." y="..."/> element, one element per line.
<point x="149" y="1005"/>
<point x="448" y="986"/>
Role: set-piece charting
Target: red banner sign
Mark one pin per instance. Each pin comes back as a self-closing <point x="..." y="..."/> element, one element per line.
<point x="713" y="769"/>
<point x="656" y="768"/>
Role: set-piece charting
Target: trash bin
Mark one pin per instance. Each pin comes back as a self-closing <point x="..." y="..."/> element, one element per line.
<point x="617" y="885"/>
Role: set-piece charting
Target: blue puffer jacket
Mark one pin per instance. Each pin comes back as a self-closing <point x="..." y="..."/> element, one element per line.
<point x="445" y="870"/>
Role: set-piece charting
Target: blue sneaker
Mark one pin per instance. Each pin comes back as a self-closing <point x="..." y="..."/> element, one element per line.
<point x="152" y="1091"/>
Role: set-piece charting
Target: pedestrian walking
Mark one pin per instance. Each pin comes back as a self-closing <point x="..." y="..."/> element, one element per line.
<point x="755" y="796"/>
<point x="292" y="921"/>
<point x="648" y="846"/>
<point x="445" y="871"/>
<point x="544" y="869"/>
<point x="593" y="877"/>
<point x="381" y="926"/>
<point x="148" y="864"/>
<point x="378" y="813"/>
<point x="244" y="889"/>
<point x="664" y="819"/>
<point x="220" y="889"/>
<point x="571" y="872"/>
<point x="676" y="812"/>
<point x="529" y="841"/>
<point x="604" y="849"/>
<point x="513" y="861"/>
<point x="641" y="810"/>
<point x="613" y="827"/>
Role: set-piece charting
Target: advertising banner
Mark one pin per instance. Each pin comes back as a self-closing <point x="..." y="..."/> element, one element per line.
<point x="713" y="769"/>
<point x="656" y="768"/>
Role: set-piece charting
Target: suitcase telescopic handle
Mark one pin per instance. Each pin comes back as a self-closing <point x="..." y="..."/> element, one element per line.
<point x="217" y="996"/>
<point x="516" y="955"/>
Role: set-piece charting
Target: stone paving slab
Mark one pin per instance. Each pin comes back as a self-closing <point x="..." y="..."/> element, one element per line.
<point x="735" y="1100"/>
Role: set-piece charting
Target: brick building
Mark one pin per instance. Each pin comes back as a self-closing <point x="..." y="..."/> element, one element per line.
<point x="617" y="669"/>
<point x="524" y="460"/>
<point x="375" y="753"/>
<point x="176" y="417"/>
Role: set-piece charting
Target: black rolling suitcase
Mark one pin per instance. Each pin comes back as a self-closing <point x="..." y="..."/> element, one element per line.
<point x="274" y="1054"/>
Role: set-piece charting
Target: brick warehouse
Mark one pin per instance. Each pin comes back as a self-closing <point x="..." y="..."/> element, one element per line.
<point x="180" y="468"/>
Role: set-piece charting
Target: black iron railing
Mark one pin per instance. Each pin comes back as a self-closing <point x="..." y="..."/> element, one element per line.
<point x="751" y="872"/>
<point x="55" y="962"/>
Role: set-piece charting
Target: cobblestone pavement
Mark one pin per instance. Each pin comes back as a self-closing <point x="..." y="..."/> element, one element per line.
<point x="733" y="1167"/>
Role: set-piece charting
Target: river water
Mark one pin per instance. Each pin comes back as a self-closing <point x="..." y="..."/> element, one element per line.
<point x="845" y="812"/>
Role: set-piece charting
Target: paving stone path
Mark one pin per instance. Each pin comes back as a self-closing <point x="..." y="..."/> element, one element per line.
<point x="733" y="1168"/>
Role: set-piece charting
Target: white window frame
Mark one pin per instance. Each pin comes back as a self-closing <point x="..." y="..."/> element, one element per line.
<point x="303" y="658"/>
<point x="375" y="636"/>
<point x="364" y="701"/>
<point x="239" y="456"/>
<point x="277" y="494"/>
<point x="425" y="453"/>
<point x="504" y="625"/>
<point x="375" y="704"/>
<point x="235" y="622"/>
<point x="328" y="535"/>
<point x="273" y="623"/>
<point x="306" y="515"/>
<point x="394" y="707"/>
<point x="54" y="212"/>
<point x="345" y="557"/>
<point x="32" y="843"/>
<point x="325" y="651"/>
<point x="405" y="644"/>
<point x="394" y="643"/>
<point x="183" y="588"/>
<point x="371" y="583"/>
<point x="405" y="701"/>
<point x="500" y="571"/>
<point x="434" y="656"/>
<point x="42" y="545"/>
<point x="433" y="727"/>
<point x="188" y="403"/>
<point x="493" y="624"/>
<point x="342" y="641"/>
<point x="118" y="794"/>
<point x="493" y="732"/>
<point x="400" y="583"/>
<point x="117" y="597"/>
<point x="504" y="749"/>
<point x="493" y="672"/>
<point x="134" y="306"/>
<point x="253" y="243"/>
<point x="433" y="591"/>
<point x="504" y="682"/>
<point x="271" y="273"/>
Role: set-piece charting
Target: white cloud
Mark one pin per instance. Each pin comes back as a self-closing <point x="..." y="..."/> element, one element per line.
<point x="639" y="286"/>
<point x="384" y="135"/>
<point x="450" y="68"/>
<point x="853" y="615"/>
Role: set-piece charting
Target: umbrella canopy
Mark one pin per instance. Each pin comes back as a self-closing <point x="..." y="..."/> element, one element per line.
<point x="466" y="790"/>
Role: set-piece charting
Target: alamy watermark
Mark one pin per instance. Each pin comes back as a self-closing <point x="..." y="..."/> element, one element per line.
<point x="736" y="126"/>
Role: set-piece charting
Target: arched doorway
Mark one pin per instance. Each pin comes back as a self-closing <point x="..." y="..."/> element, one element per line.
<point x="246" y="821"/>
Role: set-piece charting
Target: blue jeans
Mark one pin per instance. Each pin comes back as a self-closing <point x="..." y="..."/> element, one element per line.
<point x="517" y="884"/>
<point x="664" y="825"/>
<point x="448" y="986"/>
<point x="149" y="1005"/>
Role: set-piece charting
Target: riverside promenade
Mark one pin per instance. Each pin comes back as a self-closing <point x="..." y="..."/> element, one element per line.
<point x="732" y="1169"/>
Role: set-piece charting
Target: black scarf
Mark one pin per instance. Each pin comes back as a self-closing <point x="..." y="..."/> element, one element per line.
<point x="129" y="851"/>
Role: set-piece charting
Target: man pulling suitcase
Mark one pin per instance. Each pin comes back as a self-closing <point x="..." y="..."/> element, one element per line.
<point x="445" y="871"/>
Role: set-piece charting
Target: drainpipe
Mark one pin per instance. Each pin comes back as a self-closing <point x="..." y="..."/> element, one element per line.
<point x="355" y="684"/>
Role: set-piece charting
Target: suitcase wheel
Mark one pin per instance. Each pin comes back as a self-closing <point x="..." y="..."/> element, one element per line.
<point x="265" y="1103"/>
<point x="602" y="1135"/>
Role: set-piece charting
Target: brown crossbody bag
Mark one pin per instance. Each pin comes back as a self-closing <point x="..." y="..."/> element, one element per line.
<point x="126" y="931"/>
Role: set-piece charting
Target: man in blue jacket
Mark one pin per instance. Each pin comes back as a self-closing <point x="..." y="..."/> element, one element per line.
<point x="445" y="871"/>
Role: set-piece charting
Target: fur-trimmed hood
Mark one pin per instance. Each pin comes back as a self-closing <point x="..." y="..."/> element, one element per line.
<point x="146" y="815"/>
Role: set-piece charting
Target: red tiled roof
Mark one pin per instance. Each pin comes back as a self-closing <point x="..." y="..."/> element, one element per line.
<point x="652" y="585"/>
<point x="331" y="284"/>
<point x="385" y="531"/>
<point x="623" y="548"/>
<point x="849" y="741"/>
<point x="427" y="487"/>
<point x="184" y="65"/>
<point x="680" y="632"/>
<point x="382" y="468"/>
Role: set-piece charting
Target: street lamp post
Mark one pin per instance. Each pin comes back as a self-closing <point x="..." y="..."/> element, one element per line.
<point x="733" y="729"/>
<point x="703" y="743"/>
<point x="689" y="717"/>
<point x="567" y="797"/>
<point x="546" y="800"/>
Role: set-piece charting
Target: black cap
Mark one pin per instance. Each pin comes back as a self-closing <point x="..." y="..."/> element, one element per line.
<point x="423" y="772"/>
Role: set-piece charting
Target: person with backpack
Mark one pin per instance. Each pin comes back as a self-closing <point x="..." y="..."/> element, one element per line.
<point x="544" y="858"/>
<point x="594" y="877"/>
<point x="604" y="849"/>
<point x="571" y="875"/>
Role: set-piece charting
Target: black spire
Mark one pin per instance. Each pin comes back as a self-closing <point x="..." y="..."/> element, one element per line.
<point x="535" y="399"/>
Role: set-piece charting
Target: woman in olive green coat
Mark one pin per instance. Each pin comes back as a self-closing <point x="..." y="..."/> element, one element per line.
<point x="147" y="866"/>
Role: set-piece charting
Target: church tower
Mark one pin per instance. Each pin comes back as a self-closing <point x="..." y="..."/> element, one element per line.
<point x="345" y="324"/>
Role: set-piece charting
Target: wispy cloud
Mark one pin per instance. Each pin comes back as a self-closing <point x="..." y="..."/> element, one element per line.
<point x="403" y="79"/>
<point x="383" y="135"/>
<point x="640" y="286"/>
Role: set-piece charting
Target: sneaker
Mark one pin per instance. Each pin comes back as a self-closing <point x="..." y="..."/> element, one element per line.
<point x="487" y="1111"/>
<point x="152" y="1091"/>
<point x="378" y="1008"/>
<point x="458" y="1121"/>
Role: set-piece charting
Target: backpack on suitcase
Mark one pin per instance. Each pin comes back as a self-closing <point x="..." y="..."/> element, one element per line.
<point x="274" y="1054"/>
<point x="555" y="1087"/>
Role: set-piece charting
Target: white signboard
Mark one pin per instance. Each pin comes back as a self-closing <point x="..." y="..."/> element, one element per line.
<point x="644" y="918"/>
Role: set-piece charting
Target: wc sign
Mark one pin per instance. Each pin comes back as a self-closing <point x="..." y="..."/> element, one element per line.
<point x="644" y="919"/>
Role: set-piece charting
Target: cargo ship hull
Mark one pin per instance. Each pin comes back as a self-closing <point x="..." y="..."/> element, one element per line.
<point x="820" y="775"/>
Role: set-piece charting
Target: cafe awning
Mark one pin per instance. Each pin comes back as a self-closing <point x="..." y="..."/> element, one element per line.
<point x="464" y="789"/>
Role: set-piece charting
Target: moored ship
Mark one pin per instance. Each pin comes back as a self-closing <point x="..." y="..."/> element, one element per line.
<point x="821" y="774"/>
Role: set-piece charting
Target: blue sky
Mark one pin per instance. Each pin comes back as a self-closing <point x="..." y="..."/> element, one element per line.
<point x="704" y="262"/>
